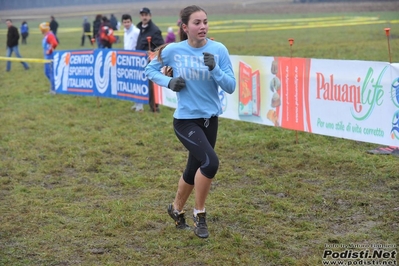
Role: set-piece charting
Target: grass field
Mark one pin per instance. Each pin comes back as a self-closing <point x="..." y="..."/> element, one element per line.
<point x="88" y="185"/>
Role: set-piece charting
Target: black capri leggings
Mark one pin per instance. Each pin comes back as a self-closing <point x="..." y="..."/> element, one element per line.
<point x="199" y="137"/>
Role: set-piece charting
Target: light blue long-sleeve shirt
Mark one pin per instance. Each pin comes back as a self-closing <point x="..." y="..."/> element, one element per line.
<point x="200" y="97"/>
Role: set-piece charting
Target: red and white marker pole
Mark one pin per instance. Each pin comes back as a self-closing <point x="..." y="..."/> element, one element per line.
<point x="387" y="30"/>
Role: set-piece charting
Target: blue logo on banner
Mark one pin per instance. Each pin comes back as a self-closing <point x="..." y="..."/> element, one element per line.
<point x="107" y="73"/>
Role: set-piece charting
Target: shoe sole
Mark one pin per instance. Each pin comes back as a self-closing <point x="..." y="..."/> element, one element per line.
<point x="170" y="212"/>
<point x="201" y="236"/>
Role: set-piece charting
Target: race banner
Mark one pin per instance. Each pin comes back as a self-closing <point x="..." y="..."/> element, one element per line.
<point x="357" y="100"/>
<point x="110" y="73"/>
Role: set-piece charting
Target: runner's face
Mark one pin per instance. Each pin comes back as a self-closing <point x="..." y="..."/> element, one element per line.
<point x="197" y="27"/>
<point x="127" y="23"/>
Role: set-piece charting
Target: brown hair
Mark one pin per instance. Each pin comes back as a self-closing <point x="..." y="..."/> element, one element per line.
<point x="158" y="52"/>
<point x="168" y="71"/>
<point x="185" y="14"/>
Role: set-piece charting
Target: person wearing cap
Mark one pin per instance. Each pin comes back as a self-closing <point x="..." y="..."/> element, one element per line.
<point x="49" y="43"/>
<point x="12" y="44"/>
<point x="149" y="29"/>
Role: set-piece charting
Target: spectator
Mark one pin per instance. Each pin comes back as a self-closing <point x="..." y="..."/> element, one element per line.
<point x="54" y="27"/>
<point x="12" y="44"/>
<point x="106" y="33"/>
<point x="86" y="31"/>
<point x="96" y="30"/>
<point x="24" y="31"/>
<point x="114" y="25"/>
<point x="170" y="37"/>
<point x="149" y="30"/>
<point x="113" y="21"/>
<point x="49" y="44"/>
<point x="129" y="43"/>
<point x="198" y="108"/>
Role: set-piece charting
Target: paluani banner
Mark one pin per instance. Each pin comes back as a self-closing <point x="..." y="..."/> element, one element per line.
<point x="357" y="100"/>
<point x="107" y="73"/>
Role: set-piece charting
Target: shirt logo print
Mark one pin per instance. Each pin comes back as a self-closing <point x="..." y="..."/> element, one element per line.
<point x="191" y="133"/>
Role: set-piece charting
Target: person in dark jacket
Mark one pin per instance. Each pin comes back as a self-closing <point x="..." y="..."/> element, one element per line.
<point x="86" y="31"/>
<point x="96" y="29"/>
<point x="114" y="24"/>
<point x="54" y="27"/>
<point x="149" y="29"/>
<point x="24" y="31"/>
<point x="12" y="44"/>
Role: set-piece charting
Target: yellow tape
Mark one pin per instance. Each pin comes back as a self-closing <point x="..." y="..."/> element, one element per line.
<point x="32" y="60"/>
<point x="116" y="33"/>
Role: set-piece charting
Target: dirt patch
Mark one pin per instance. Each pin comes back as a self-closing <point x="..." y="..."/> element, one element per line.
<point x="170" y="8"/>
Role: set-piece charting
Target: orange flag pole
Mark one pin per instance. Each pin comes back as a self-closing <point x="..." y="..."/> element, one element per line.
<point x="291" y="41"/>
<point x="389" y="46"/>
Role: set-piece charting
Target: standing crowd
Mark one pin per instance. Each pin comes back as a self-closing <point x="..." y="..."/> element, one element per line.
<point x="144" y="36"/>
<point x="49" y="43"/>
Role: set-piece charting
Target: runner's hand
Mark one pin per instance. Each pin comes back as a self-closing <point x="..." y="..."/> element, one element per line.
<point x="209" y="60"/>
<point x="176" y="84"/>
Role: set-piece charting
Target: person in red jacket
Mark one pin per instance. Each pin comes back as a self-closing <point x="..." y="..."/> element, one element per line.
<point x="106" y="34"/>
<point x="49" y="43"/>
